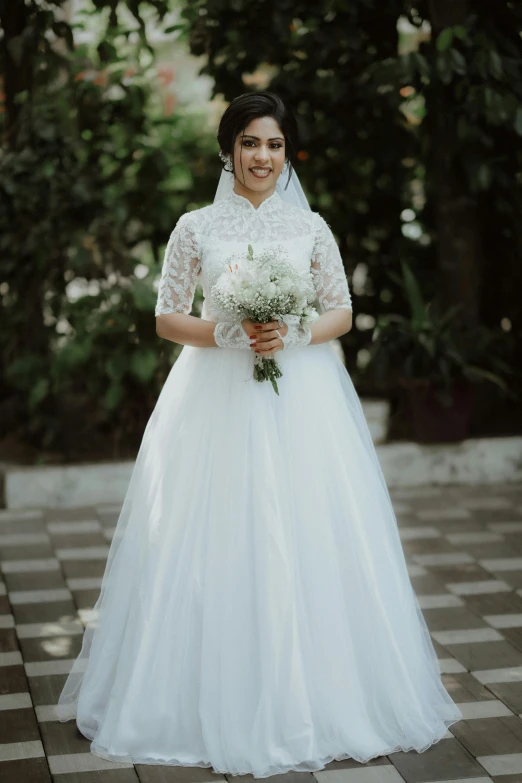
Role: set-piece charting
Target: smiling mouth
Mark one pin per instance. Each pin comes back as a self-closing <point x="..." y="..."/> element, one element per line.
<point x="260" y="171"/>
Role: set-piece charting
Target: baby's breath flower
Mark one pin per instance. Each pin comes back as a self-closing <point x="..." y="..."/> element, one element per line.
<point x="263" y="287"/>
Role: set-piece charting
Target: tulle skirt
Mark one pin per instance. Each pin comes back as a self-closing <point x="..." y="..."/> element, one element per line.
<point x="256" y="614"/>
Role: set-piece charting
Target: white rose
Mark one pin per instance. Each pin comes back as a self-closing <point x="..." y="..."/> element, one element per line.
<point x="310" y="314"/>
<point x="269" y="290"/>
<point x="285" y="284"/>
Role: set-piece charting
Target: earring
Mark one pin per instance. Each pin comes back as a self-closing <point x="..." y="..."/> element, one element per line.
<point x="226" y="159"/>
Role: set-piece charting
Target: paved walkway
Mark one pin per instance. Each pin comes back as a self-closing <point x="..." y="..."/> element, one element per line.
<point x="464" y="547"/>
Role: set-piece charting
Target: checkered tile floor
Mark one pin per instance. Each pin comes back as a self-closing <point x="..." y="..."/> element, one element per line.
<point x="464" y="550"/>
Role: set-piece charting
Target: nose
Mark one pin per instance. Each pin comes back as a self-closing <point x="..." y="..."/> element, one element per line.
<point x="262" y="154"/>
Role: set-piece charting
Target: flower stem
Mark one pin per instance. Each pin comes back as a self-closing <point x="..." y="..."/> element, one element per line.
<point x="267" y="369"/>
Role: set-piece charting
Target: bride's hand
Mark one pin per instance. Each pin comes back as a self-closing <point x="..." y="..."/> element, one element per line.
<point x="267" y="339"/>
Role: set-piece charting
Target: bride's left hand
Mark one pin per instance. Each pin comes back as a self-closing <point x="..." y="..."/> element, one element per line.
<point x="267" y="339"/>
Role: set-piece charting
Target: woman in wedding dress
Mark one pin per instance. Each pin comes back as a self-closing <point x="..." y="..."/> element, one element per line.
<point x="256" y="614"/>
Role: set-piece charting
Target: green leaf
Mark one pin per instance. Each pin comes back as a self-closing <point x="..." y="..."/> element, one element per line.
<point x="495" y="64"/>
<point x="462" y="127"/>
<point x="422" y="64"/>
<point x="113" y="396"/>
<point x="38" y="393"/>
<point x="115" y="366"/>
<point x="15" y="47"/>
<point x="75" y="353"/>
<point x="143" y="364"/>
<point x="449" y="315"/>
<point x="143" y="295"/>
<point x="414" y="296"/>
<point x="486" y="375"/>
<point x="445" y="39"/>
<point x="460" y="32"/>
<point x="444" y="68"/>
<point x="484" y="176"/>
<point x="458" y="61"/>
<point x="174" y="28"/>
<point x="21" y="97"/>
<point x="518" y="121"/>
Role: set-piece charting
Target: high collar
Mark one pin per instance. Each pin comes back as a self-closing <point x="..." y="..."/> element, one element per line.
<point x="243" y="203"/>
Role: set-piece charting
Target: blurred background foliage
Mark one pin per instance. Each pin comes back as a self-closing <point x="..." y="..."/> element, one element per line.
<point x="94" y="173"/>
<point x="411" y="127"/>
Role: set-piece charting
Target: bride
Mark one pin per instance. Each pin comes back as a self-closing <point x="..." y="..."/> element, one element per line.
<point x="256" y="614"/>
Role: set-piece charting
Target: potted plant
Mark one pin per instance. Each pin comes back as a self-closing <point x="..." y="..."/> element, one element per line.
<point x="436" y="360"/>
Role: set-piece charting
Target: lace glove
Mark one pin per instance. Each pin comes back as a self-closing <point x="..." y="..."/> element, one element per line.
<point x="297" y="335"/>
<point x="229" y="334"/>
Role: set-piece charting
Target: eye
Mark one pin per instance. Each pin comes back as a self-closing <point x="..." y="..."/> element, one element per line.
<point x="275" y="145"/>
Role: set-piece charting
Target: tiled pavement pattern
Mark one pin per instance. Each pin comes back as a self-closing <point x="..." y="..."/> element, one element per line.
<point x="464" y="549"/>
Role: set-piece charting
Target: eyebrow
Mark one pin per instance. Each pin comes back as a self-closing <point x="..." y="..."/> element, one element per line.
<point x="274" y="138"/>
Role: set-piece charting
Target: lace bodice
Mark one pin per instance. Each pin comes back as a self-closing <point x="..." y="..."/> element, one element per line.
<point x="203" y="241"/>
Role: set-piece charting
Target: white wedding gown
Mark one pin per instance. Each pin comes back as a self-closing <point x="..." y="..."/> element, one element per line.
<point x="256" y="614"/>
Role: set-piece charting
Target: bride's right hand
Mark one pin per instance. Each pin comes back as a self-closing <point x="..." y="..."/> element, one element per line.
<point x="257" y="331"/>
<point x="252" y="328"/>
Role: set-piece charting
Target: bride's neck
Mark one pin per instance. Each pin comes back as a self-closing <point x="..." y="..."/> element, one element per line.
<point x="256" y="199"/>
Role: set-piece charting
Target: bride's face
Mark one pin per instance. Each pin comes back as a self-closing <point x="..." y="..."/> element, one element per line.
<point x="259" y="155"/>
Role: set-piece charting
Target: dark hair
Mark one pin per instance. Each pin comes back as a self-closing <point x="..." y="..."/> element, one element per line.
<point x="250" y="106"/>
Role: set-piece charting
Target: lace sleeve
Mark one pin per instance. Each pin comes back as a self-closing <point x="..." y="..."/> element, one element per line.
<point x="327" y="269"/>
<point x="181" y="267"/>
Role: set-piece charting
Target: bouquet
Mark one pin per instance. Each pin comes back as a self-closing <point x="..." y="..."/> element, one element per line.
<point x="265" y="287"/>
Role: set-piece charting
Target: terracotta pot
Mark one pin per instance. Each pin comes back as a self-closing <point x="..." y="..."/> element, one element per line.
<point x="435" y="422"/>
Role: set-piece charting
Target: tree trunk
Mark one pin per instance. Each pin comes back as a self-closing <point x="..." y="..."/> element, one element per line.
<point x="17" y="62"/>
<point x="456" y="211"/>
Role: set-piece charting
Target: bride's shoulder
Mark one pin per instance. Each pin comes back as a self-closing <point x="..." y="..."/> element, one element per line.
<point x="193" y="218"/>
<point x="302" y="216"/>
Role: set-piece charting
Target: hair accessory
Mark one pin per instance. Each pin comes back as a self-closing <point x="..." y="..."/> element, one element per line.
<point x="226" y="159"/>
